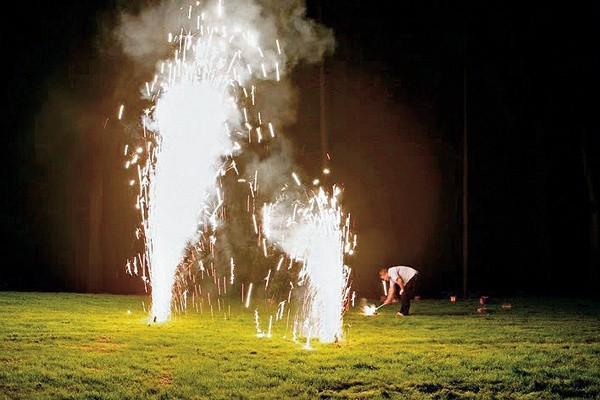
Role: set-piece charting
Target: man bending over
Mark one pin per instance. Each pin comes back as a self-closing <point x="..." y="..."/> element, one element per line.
<point x="404" y="279"/>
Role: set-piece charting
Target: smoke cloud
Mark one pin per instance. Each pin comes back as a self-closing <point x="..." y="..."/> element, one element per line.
<point x="143" y="35"/>
<point x="271" y="24"/>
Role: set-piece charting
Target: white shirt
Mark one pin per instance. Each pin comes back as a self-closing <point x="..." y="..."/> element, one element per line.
<point x="401" y="271"/>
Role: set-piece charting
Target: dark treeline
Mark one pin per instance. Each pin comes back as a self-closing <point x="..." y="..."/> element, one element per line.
<point x="394" y="114"/>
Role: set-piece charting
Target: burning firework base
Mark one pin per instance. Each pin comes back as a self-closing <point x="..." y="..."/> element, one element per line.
<point x="371" y="309"/>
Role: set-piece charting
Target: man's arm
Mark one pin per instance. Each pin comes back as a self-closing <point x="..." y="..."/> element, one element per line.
<point x="390" y="294"/>
<point x="401" y="284"/>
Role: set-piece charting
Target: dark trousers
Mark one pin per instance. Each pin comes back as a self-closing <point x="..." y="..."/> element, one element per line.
<point x="409" y="292"/>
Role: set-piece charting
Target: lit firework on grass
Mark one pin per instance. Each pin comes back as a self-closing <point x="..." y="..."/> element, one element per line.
<point x="201" y="113"/>
<point x="318" y="235"/>
<point x="370" y="309"/>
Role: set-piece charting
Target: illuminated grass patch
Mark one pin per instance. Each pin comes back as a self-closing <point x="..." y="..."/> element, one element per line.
<point x="76" y="346"/>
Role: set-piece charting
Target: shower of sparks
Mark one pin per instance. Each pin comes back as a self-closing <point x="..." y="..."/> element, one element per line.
<point x="317" y="234"/>
<point x="203" y="114"/>
<point x="193" y="130"/>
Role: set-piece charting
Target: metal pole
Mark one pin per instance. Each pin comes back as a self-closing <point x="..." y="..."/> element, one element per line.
<point x="323" y="121"/>
<point x="322" y="118"/>
<point x="465" y="194"/>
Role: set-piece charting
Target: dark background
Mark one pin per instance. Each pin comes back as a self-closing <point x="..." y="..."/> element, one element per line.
<point x="394" y="124"/>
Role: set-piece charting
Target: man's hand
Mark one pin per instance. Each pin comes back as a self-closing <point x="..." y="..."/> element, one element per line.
<point x="400" y="283"/>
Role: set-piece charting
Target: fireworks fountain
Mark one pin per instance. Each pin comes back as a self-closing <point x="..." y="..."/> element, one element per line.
<point x="319" y="236"/>
<point x="194" y="129"/>
<point x="190" y="117"/>
<point x="203" y="114"/>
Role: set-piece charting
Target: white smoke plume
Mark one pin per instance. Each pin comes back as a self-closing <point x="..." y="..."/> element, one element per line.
<point x="273" y="23"/>
<point x="142" y="36"/>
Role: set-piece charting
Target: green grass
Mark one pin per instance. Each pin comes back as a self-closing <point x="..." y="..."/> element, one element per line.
<point x="74" y="346"/>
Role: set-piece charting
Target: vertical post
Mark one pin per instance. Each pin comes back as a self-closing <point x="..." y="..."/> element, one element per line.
<point x="594" y="257"/>
<point x="95" y="272"/>
<point x="323" y="120"/>
<point x="465" y="191"/>
<point x="322" y="117"/>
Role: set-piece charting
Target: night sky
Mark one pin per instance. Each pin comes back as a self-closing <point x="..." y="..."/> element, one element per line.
<point x="395" y="119"/>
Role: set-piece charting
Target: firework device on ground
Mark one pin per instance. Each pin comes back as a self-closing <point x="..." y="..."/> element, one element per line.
<point x="371" y="309"/>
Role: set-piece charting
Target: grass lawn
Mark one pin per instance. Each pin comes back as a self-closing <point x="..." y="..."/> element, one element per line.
<point x="75" y="346"/>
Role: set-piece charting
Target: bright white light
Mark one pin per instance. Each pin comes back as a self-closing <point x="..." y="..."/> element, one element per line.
<point x="193" y="107"/>
<point x="369" y="310"/>
<point x="315" y="233"/>
<point x="190" y="119"/>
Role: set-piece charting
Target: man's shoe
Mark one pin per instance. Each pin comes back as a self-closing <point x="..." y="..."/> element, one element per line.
<point x="399" y="314"/>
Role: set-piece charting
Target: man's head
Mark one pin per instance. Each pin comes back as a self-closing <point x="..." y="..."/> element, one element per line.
<point x="383" y="274"/>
